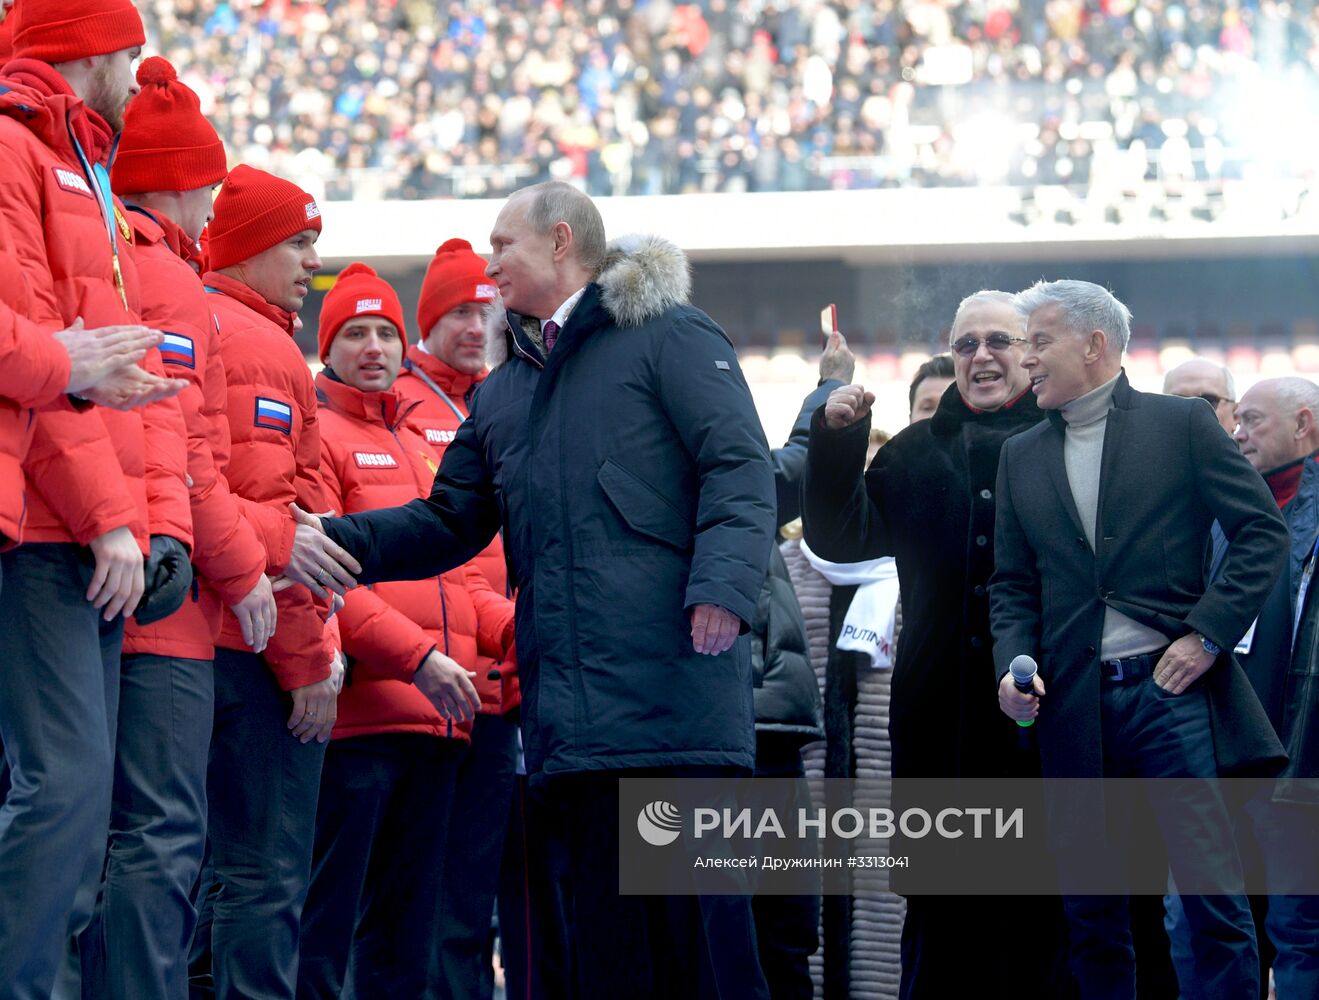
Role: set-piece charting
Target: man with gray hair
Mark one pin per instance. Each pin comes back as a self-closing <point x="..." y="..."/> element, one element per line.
<point x="1279" y="436"/>
<point x="1103" y="516"/>
<point x="1209" y="381"/>
<point x="616" y="444"/>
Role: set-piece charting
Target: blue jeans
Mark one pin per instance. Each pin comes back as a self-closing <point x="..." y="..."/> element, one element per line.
<point x="1285" y="835"/>
<point x="1148" y="733"/>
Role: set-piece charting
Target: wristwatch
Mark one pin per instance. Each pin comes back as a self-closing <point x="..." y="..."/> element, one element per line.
<point x="1211" y="647"/>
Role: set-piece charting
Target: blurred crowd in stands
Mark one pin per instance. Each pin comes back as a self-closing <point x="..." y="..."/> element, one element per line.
<point x="415" y="99"/>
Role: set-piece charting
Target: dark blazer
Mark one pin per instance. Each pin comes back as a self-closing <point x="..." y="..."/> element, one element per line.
<point x="631" y="479"/>
<point x="1168" y="471"/>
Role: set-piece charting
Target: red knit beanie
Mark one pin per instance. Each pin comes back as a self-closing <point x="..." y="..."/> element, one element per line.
<point x="167" y="143"/>
<point x="56" y="31"/>
<point x="455" y="275"/>
<point x="254" y="211"/>
<point x="358" y="291"/>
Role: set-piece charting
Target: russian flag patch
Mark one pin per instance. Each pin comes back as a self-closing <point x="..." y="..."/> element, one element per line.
<point x="274" y="415"/>
<point x="176" y="349"/>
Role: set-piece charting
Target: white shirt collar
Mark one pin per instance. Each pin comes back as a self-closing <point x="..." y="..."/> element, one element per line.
<point x="561" y="314"/>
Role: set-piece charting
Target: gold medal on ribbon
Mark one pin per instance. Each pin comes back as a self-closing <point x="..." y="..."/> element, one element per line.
<point x="125" y="230"/>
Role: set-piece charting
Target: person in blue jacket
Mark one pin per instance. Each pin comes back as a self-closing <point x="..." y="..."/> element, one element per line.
<point x="616" y="445"/>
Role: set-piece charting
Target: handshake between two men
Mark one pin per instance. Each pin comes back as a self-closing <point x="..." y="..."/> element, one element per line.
<point x="324" y="567"/>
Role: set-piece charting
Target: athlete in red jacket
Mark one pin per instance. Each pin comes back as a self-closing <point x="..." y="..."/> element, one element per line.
<point x="275" y="710"/>
<point x="97" y="478"/>
<point x="38" y="369"/>
<point x="440" y="374"/>
<point x="169" y="160"/>
<point x="387" y="793"/>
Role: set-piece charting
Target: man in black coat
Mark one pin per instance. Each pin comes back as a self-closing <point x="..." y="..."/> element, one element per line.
<point x="1103" y="518"/>
<point x="616" y="444"/>
<point x="928" y="500"/>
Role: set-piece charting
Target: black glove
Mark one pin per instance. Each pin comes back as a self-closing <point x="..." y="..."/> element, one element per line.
<point x="168" y="575"/>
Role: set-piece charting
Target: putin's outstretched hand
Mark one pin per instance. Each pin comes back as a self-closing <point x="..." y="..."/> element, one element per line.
<point x="317" y="563"/>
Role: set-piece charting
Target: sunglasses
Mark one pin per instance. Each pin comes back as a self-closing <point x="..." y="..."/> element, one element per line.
<point x="996" y="342"/>
<point x="1213" y="400"/>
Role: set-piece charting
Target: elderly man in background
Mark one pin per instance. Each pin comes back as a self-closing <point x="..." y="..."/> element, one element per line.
<point x="1209" y="381"/>
<point x="1279" y="436"/>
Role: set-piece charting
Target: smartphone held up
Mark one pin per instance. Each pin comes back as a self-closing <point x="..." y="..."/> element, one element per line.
<point x="828" y="324"/>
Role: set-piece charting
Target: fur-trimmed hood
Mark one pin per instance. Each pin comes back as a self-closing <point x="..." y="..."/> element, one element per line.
<point x="642" y="276"/>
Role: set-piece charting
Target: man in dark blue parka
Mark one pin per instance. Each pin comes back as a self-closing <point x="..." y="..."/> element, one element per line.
<point x="616" y="445"/>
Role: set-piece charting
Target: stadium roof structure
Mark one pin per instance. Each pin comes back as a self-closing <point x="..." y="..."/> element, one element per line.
<point x="910" y="224"/>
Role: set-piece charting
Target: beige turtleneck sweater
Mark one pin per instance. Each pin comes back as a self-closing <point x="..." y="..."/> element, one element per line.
<point x="1083" y="452"/>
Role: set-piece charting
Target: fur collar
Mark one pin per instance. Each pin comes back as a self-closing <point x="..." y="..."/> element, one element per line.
<point x="641" y="278"/>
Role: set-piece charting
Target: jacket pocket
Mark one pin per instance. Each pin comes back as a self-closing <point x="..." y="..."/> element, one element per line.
<point x="645" y="509"/>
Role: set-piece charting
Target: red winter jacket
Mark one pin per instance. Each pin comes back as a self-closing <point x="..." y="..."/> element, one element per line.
<point x="442" y="395"/>
<point x="274" y="460"/>
<point x="34" y="369"/>
<point x="82" y="467"/>
<point x="371" y="459"/>
<point x="227" y="554"/>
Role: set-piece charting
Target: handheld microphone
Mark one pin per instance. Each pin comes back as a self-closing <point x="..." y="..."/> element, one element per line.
<point x="1023" y="669"/>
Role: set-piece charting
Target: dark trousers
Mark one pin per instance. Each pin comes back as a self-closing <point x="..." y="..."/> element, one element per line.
<point x="462" y="948"/>
<point x="638" y="946"/>
<point x="943" y="956"/>
<point x="532" y="924"/>
<point x="261" y="786"/>
<point x="1148" y="733"/>
<point x="157" y="829"/>
<point x="1280" y="839"/>
<point x="372" y="911"/>
<point x="787" y="927"/>
<point x="58" y="689"/>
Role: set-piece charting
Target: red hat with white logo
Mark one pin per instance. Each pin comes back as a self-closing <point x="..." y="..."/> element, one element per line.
<point x="456" y="275"/>
<point x="253" y="212"/>
<point x="359" y="291"/>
